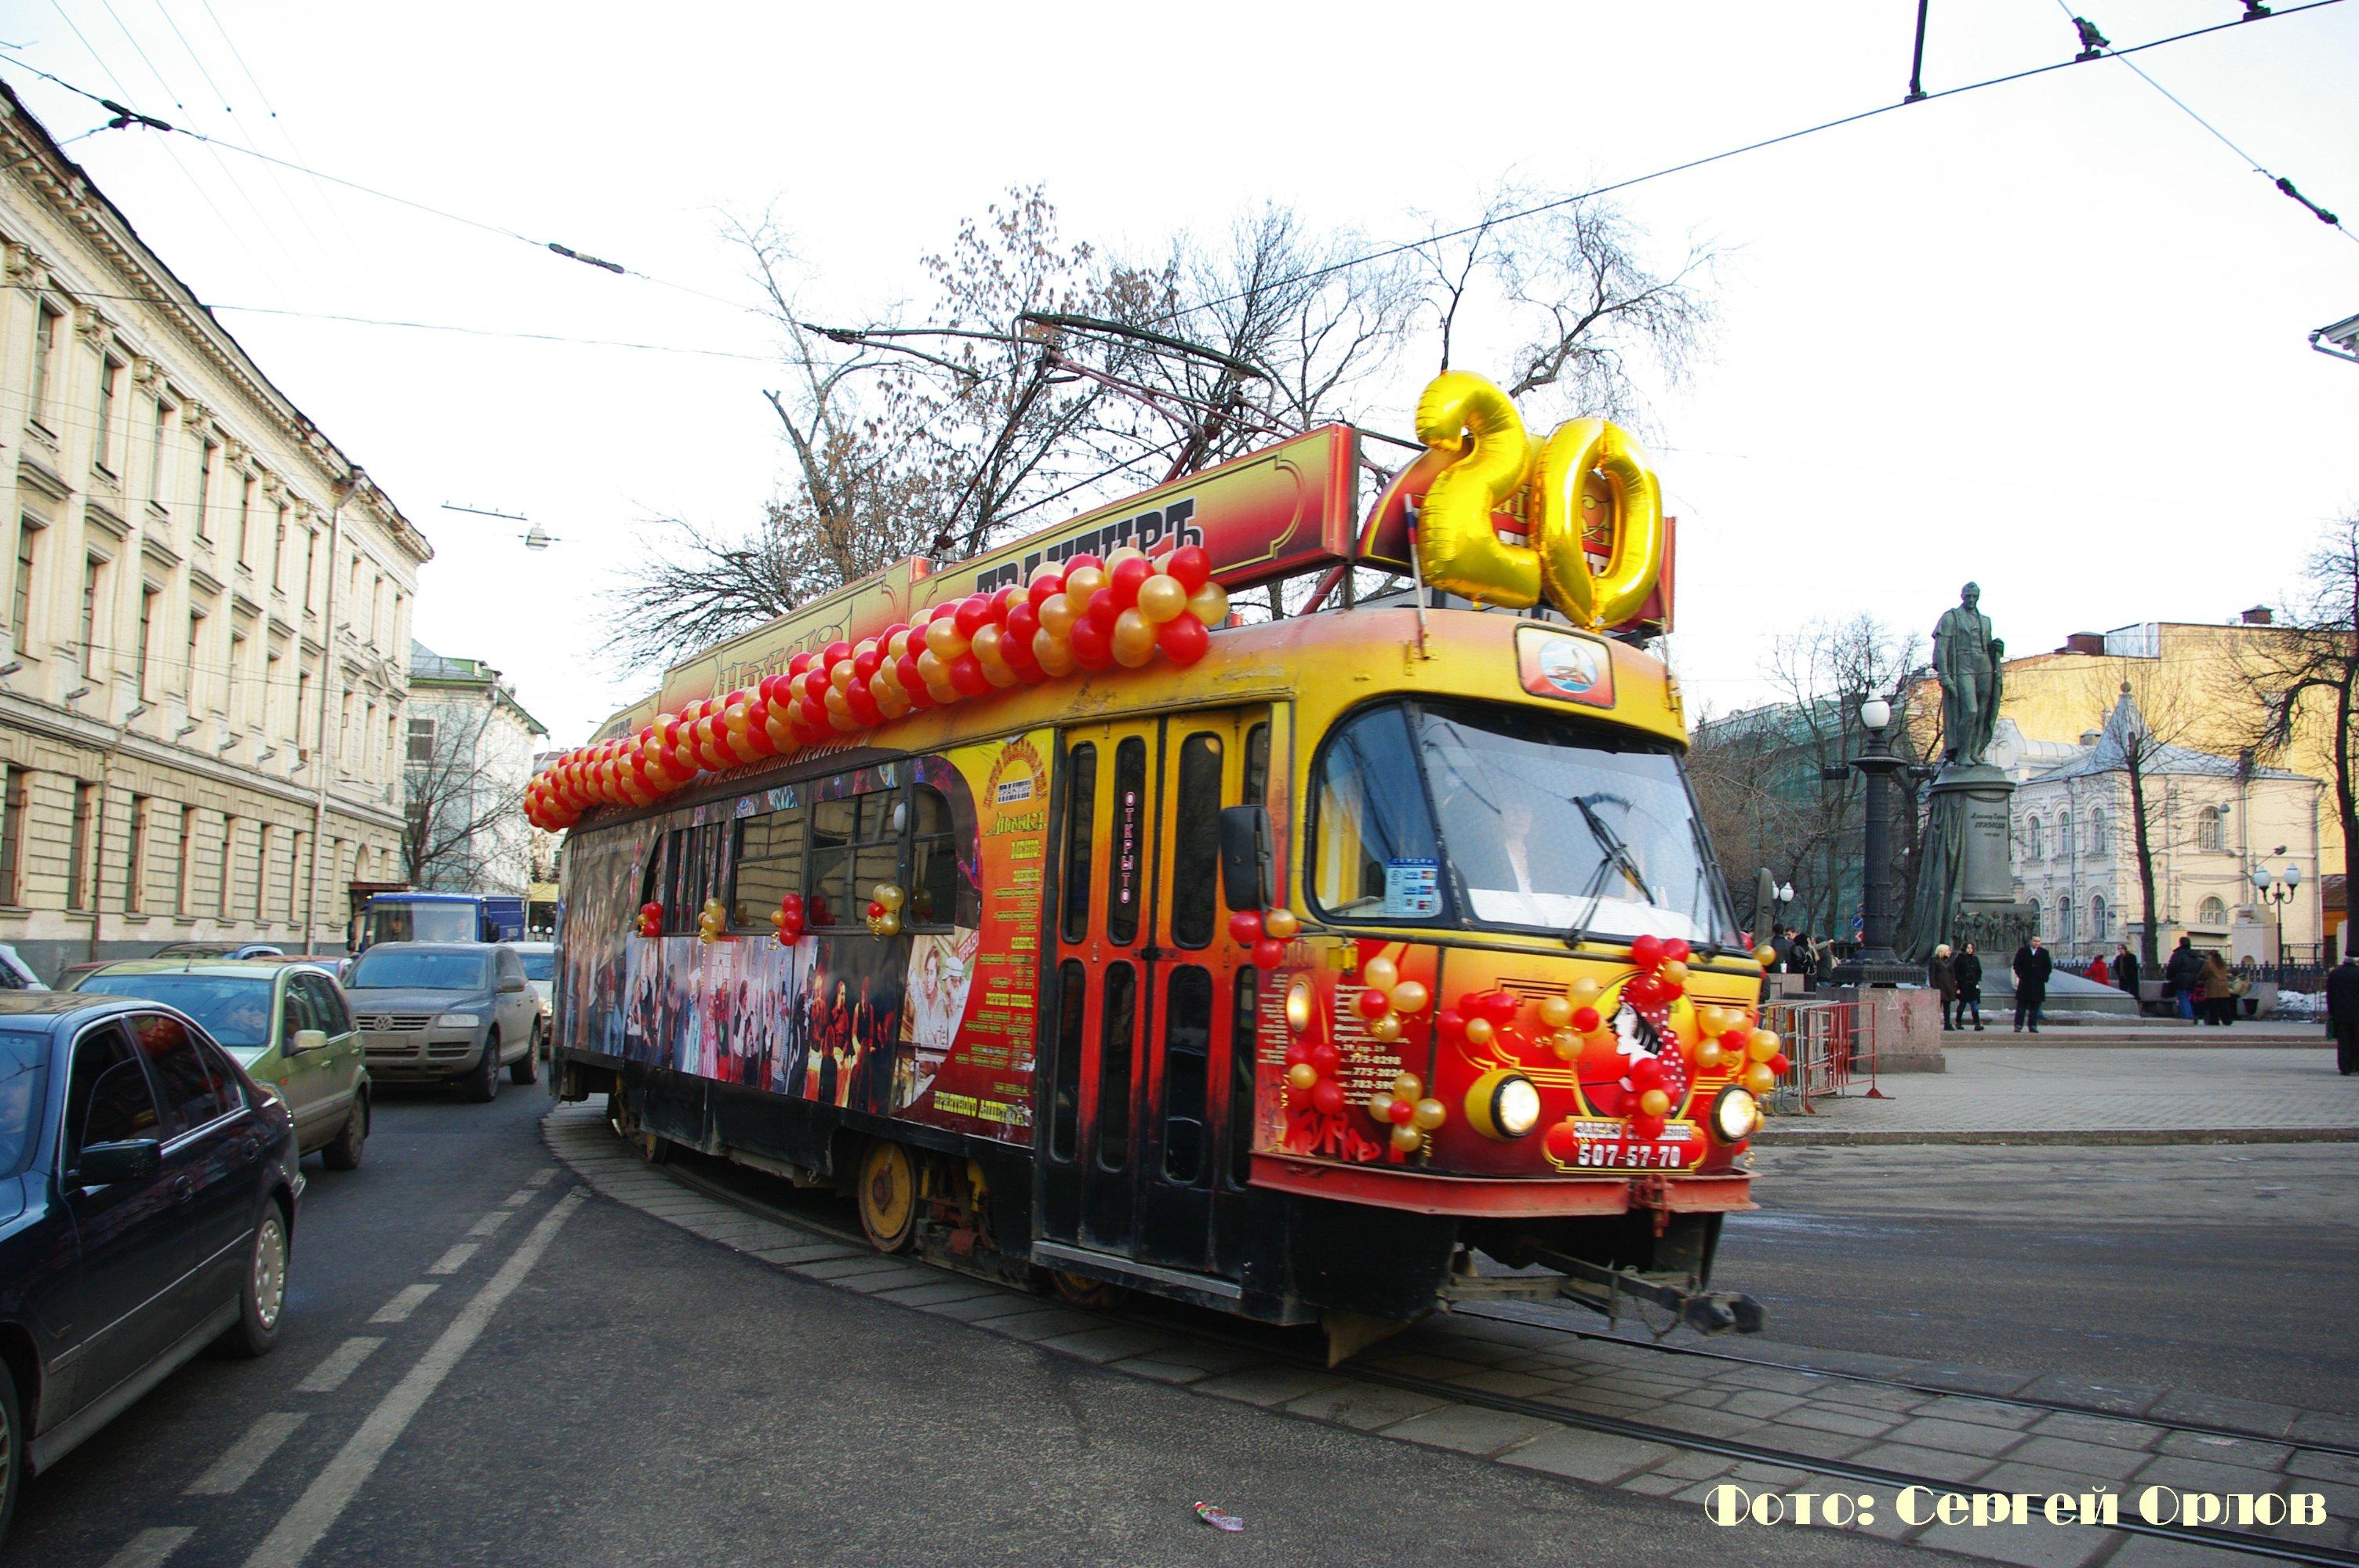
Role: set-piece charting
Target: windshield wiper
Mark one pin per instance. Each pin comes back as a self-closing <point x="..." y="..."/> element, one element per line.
<point x="1617" y="858"/>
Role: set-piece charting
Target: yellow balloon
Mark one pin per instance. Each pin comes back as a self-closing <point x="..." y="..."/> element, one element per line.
<point x="836" y="702"/>
<point x="1710" y="1021"/>
<point x="1054" y="653"/>
<point x="1675" y="972"/>
<point x="1565" y="1043"/>
<point x="1588" y="463"/>
<point x="1044" y="570"/>
<point x="1386" y="1028"/>
<point x="933" y="669"/>
<point x="1161" y="599"/>
<point x="888" y="924"/>
<point x="1210" y="605"/>
<point x="1410" y="998"/>
<point x="1457" y="548"/>
<point x="839" y="674"/>
<point x="1380" y="1106"/>
<point x="1133" y="639"/>
<point x="1709" y="1054"/>
<point x="1377" y="974"/>
<point x="1428" y="1115"/>
<point x="1765" y="955"/>
<point x="899" y="646"/>
<point x="1079" y="584"/>
<point x="985" y="643"/>
<point x="1407" y="1139"/>
<point x="1760" y="1080"/>
<point x="1761" y="1045"/>
<point x="1478" y="1031"/>
<point x="1122" y="552"/>
<point x="1585" y="992"/>
<point x="1655" y="1102"/>
<point x="1303" y="1075"/>
<point x="1556" y="1011"/>
<point x="1057" y="616"/>
<point x="1406" y="1086"/>
<point x="1280" y="923"/>
<point x="943" y="641"/>
<point x="999" y="671"/>
<point x="890" y="896"/>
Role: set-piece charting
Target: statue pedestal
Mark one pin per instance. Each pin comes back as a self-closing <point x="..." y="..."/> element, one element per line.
<point x="1971" y="803"/>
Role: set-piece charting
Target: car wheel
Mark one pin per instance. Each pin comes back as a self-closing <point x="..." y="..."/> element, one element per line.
<point x="262" y="1294"/>
<point x="344" y="1153"/>
<point x="525" y="1068"/>
<point x="12" y="1449"/>
<point x="483" y="1083"/>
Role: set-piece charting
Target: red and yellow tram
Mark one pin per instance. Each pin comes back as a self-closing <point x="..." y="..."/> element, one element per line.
<point x="1287" y="968"/>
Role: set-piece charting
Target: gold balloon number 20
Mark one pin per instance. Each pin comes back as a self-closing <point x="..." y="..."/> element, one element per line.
<point x="1498" y="467"/>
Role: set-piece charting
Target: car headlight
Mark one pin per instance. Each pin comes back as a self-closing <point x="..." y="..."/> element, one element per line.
<point x="1503" y="1104"/>
<point x="1735" y="1115"/>
<point x="457" y="1021"/>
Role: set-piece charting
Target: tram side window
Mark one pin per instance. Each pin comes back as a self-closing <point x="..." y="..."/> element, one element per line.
<point x="1374" y="855"/>
<point x="1243" y="1052"/>
<point x="1114" y="1065"/>
<point x="1081" y="831"/>
<point x="1255" y="784"/>
<point x="1186" y="1057"/>
<point x="651" y="881"/>
<point x="1196" y="841"/>
<point x="855" y="844"/>
<point x="1065" y="1072"/>
<point x="692" y="867"/>
<point x="934" y="884"/>
<point x="1126" y="857"/>
<point x="769" y="865"/>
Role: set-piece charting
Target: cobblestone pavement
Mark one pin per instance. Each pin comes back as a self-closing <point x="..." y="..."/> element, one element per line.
<point x="2079" y="1095"/>
<point x="1955" y="1426"/>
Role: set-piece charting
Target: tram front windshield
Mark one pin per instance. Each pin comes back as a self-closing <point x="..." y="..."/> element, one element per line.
<point x="1505" y="819"/>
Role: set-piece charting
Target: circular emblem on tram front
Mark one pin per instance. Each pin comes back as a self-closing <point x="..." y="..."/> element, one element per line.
<point x="1569" y="665"/>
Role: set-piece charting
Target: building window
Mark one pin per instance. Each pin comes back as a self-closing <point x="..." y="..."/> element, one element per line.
<point x="299" y="877"/>
<point x="110" y="388"/>
<point x="81" y="843"/>
<point x="2212" y="912"/>
<point x="302" y="704"/>
<point x="368" y="738"/>
<point x="149" y="594"/>
<point x="2209" y="832"/>
<point x="2100" y="920"/>
<point x="2031" y="838"/>
<point x="208" y="474"/>
<point x="45" y="331"/>
<point x="278" y="551"/>
<point x="2064" y="835"/>
<point x="20" y="603"/>
<point x="271" y="701"/>
<point x="421" y="740"/>
<point x="2096" y="836"/>
<point x="266" y="839"/>
<point x="196" y="651"/>
<point x="239" y="707"/>
<point x="228" y="902"/>
<point x="91" y="567"/>
<point x="134" y="878"/>
<point x="14" y="795"/>
<point x="160" y="472"/>
<point x="244" y="518"/>
<point x="184" y="856"/>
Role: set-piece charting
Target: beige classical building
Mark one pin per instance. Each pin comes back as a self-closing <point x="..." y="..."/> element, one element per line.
<point x="206" y="609"/>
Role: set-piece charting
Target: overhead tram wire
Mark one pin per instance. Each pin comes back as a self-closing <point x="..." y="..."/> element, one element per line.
<point x="1406" y="247"/>
<point x="2285" y="187"/>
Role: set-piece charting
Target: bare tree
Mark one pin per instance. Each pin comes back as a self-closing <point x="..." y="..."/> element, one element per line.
<point x="2154" y="715"/>
<point x="2304" y="682"/>
<point x="463" y="801"/>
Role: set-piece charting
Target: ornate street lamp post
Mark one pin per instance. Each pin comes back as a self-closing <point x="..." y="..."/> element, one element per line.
<point x="2280" y="890"/>
<point x="1876" y="964"/>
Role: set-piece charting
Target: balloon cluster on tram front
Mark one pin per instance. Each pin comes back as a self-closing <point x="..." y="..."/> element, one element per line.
<point x="1087" y="614"/>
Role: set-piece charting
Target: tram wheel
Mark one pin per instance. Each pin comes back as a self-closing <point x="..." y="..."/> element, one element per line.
<point x="1081" y="1290"/>
<point x="886" y="1192"/>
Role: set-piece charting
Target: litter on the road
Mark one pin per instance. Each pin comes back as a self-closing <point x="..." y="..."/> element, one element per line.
<point x="1219" y="1519"/>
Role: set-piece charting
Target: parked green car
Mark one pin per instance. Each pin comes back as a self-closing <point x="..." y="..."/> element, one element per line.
<point x="287" y="1024"/>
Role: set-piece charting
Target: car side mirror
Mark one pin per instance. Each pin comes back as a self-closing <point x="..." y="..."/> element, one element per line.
<point x="511" y="984"/>
<point x="1245" y="863"/>
<point x="104" y="1163"/>
<point x="311" y="1039"/>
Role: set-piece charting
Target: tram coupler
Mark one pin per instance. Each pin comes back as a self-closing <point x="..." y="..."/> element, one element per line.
<point x="1706" y="1312"/>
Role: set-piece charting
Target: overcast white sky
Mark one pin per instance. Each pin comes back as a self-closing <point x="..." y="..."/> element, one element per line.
<point x="2050" y="334"/>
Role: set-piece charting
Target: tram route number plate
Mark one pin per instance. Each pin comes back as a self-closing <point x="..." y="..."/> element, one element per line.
<point x="1622" y="1156"/>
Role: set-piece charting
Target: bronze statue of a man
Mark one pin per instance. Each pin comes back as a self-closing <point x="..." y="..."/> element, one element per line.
<point x="1965" y="657"/>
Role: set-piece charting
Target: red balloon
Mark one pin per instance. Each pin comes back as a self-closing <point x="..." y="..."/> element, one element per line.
<point x="1245" y="927"/>
<point x="863" y="703"/>
<point x="1402" y="1113"/>
<point x="1676" y="950"/>
<point x="1076" y="563"/>
<point x="1585" y="1021"/>
<point x="1647" y="952"/>
<point x="972" y="612"/>
<point x="966" y="673"/>
<point x="1639" y="992"/>
<point x="1268" y="953"/>
<point x="905" y="669"/>
<point x="1103" y="612"/>
<point x="1501" y="1007"/>
<point x="1297" y="1054"/>
<point x="1450" y="1025"/>
<point x="1023" y="623"/>
<point x="1734" y="1041"/>
<point x="875" y="910"/>
<point x="865" y="663"/>
<point x="1093" y="644"/>
<point x="1645" y="1128"/>
<point x="1562" y="1142"/>
<point x="814" y="714"/>
<point x="1183" y="639"/>
<point x="1779" y="1063"/>
<point x="793" y="905"/>
<point x="1327" y="1098"/>
<point x="1044" y="588"/>
<point x="818" y="910"/>
<point x="835" y="653"/>
<point x="1324" y="1057"/>
<point x="1646" y="1073"/>
<point x="800" y="663"/>
<point x="1006" y="600"/>
<point x="1667" y="990"/>
<point x="1191" y="566"/>
<point x="1373" y="1003"/>
<point x="1123" y="580"/>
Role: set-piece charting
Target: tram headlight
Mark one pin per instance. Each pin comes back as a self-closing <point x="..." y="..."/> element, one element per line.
<point x="1735" y="1115"/>
<point x="1300" y="1006"/>
<point x="1503" y="1104"/>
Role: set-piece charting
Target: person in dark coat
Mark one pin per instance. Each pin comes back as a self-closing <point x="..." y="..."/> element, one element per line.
<point x="1944" y="979"/>
<point x="2342" y="1013"/>
<point x="2125" y="970"/>
<point x="1967" y="969"/>
<point x="2032" y="968"/>
<point x="2179" y="977"/>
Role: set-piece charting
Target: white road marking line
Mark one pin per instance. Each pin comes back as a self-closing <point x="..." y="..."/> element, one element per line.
<point x="454" y="1261"/>
<point x="237" y="1465"/>
<point x="490" y="1224"/>
<point x="539" y="1179"/>
<point x="151" y="1547"/>
<point x="523" y="1195"/>
<point x="342" y="1363"/>
<point x="325" y="1500"/>
<point x="409" y="1300"/>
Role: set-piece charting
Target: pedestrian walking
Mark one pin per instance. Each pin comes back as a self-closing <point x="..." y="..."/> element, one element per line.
<point x="2216" y="1005"/>
<point x="2179" y="977"/>
<point x="1944" y="979"/>
<point x="2125" y="970"/>
<point x="2342" y="1013"/>
<point x="1967" y="968"/>
<point x="2032" y="967"/>
<point x="2098" y="973"/>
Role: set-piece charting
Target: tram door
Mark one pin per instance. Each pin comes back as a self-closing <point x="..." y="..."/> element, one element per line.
<point x="1137" y="1049"/>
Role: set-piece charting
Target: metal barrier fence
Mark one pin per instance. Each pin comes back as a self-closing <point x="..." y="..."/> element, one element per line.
<point x="1829" y="1045"/>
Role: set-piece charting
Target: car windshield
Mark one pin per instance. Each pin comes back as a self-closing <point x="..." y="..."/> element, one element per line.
<point x="234" y="1009"/>
<point x="193" y="950"/>
<point x="1512" y="819"/>
<point x="429" y="922"/>
<point x="383" y="969"/>
<point x="22" y="1056"/>
<point x="539" y="966"/>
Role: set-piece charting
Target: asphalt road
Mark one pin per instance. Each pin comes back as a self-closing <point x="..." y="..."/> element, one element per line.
<point x="2227" y="1269"/>
<point x="592" y="1386"/>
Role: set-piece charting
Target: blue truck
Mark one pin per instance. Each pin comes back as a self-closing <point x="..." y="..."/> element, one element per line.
<point x="442" y="918"/>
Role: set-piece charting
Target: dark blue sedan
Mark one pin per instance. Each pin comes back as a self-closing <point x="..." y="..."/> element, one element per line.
<point x="147" y="1193"/>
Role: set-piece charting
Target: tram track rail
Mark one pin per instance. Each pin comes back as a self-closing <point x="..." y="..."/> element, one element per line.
<point x="2245" y="1542"/>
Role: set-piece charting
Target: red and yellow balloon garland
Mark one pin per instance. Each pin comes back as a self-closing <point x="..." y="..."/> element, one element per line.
<point x="1084" y="614"/>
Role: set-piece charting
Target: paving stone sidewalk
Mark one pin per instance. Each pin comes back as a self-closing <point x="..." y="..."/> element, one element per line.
<point x="1958" y="1428"/>
<point x="2051" y="1094"/>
